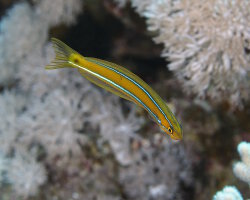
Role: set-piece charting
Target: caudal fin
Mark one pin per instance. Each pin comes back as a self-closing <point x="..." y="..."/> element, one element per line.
<point x="63" y="53"/>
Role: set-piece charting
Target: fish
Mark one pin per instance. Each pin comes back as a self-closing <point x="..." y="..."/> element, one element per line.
<point x="119" y="81"/>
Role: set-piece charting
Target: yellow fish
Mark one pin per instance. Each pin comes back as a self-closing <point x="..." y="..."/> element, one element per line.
<point x="119" y="81"/>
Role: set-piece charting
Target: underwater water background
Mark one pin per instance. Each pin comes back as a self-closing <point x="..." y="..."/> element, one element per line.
<point x="61" y="137"/>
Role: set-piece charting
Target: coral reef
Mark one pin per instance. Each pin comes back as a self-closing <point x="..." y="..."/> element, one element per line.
<point x="19" y="54"/>
<point x="25" y="174"/>
<point x="55" y="114"/>
<point x="37" y="21"/>
<point x="228" y="192"/>
<point x="63" y="138"/>
<point x="206" y="42"/>
<point x="157" y="172"/>
<point x="242" y="169"/>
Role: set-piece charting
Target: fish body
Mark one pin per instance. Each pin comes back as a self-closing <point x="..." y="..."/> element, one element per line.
<point x="119" y="81"/>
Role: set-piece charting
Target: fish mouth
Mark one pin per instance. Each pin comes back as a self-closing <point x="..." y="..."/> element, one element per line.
<point x="177" y="136"/>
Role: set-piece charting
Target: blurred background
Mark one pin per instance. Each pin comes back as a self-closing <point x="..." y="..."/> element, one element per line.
<point x="62" y="138"/>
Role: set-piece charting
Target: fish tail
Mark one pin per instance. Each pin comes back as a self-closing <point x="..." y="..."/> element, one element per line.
<point x="63" y="55"/>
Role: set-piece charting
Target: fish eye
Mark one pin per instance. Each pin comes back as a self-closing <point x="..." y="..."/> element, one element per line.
<point x="170" y="130"/>
<point x="76" y="61"/>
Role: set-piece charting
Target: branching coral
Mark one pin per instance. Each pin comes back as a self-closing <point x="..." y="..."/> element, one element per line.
<point x="53" y="123"/>
<point x="11" y="106"/>
<point x="242" y="169"/>
<point x="207" y="43"/>
<point x="117" y="129"/>
<point x="56" y="113"/>
<point x="228" y="193"/>
<point x="32" y="25"/>
<point x="24" y="32"/>
<point x="13" y="49"/>
<point x="58" y="11"/>
<point x="157" y="172"/>
<point x="4" y="162"/>
<point x="25" y="174"/>
<point x="53" y="109"/>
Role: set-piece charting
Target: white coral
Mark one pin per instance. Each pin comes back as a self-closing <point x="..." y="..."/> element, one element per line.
<point x="26" y="174"/>
<point x="58" y="11"/>
<point x="228" y="193"/>
<point x="242" y="169"/>
<point x="156" y="171"/>
<point x="14" y="49"/>
<point x="3" y="168"/>
<point x="24" y="33"/>
<point x="56" y="108"/>
<point x="24" y="29"/>
<point x="207" y="43"/>
<point x="158" y="190"/>
<point x="118" y="129"/>
<point x="11" y="106"/>
<point x="53" y="122"/>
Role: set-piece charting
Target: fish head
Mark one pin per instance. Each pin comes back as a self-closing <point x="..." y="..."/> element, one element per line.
<point x="174" y="130"/>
